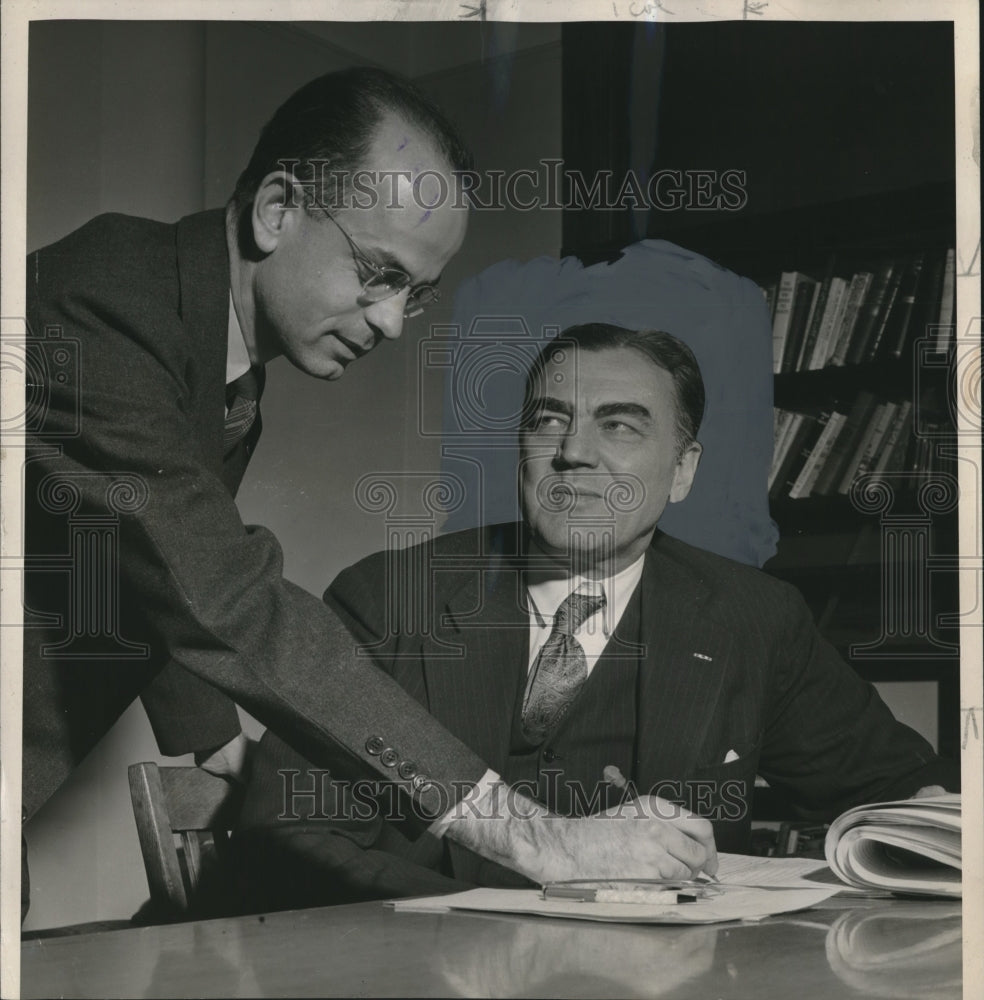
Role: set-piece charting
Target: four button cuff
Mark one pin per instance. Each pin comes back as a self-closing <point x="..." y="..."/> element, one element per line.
<point x="406" y="769"/>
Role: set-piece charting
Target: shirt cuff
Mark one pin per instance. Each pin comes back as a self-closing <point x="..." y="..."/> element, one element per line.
<point x="476" y="796"/>
<point x="228" y="761"/>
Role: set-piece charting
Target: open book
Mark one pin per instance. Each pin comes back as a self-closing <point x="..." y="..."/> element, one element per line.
<point x="911" y="847"/>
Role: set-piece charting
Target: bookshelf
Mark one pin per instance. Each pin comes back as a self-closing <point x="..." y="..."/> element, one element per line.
<point x="865" y="494"/>
<point x="846" y="173"/>
<point x="873" y="552"/>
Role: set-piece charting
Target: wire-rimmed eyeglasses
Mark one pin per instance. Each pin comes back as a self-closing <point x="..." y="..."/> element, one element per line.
<point x="385" y="282"/>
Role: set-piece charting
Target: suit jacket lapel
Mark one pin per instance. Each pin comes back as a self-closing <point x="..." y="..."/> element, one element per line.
<point x="483" y="612"/>
<point x="203" y="275"/>
<point x="682" y="670"/>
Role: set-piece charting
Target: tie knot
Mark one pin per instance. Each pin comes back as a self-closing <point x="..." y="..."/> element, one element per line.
<point x="249" y="385"/>
<point x="576" y="610"/>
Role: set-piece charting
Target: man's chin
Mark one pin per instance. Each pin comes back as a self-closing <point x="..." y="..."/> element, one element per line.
<point x="327" y="369"/>
<point x="581" y="544"/>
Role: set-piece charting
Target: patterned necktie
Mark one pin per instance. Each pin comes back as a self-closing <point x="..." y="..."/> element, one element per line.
<point x="242" y="399"/>
<point x="560" y="668"/>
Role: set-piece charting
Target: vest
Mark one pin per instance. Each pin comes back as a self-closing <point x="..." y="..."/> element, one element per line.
<point x="565" y="771"/>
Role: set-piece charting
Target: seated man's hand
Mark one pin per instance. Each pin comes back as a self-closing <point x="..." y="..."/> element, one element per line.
<point x="646" y="837"/>
<point x="929" y="790"/>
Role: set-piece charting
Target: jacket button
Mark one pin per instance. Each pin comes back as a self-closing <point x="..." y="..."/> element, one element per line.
<point x="407" y="769"/>
<point x="388" y="757"/>
<point x="375" y="745"/>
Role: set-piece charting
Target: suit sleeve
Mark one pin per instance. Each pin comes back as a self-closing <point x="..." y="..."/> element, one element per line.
<point x="830" y="741"/>
<point x="358" y="595"/>
<point x="206" y="587"/>
<point x="187" y="714"/>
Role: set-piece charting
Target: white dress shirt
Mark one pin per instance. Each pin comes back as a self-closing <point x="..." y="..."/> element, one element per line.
<point x="237" y="353"/>
<point x="545" y="596"/>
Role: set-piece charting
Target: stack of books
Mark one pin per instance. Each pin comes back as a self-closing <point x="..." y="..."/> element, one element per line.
<point x="847" y="317"/>
<point x="822" y="454"/>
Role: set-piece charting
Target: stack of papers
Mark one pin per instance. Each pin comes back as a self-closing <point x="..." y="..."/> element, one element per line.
<point x="734" y="902"/>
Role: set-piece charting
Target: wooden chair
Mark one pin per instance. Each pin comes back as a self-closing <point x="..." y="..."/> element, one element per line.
<point x="183" y="816"/>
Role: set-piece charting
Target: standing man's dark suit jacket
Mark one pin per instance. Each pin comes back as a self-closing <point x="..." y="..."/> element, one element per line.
<point x="732" y="666"/>
<point x="128" y="441"/>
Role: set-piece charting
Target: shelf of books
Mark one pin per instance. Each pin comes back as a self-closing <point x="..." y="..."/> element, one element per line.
<point x="860" y="356"/>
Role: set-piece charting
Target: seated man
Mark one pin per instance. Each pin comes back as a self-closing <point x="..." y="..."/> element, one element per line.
<point x="585" y="655"/>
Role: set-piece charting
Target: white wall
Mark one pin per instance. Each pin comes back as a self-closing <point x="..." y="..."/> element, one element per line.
<point x="157" y="120"/>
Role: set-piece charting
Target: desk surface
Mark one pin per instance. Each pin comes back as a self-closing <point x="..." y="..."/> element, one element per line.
<point x="843" y="948"/>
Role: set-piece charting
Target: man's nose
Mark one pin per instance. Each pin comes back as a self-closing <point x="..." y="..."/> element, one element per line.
<point x="386" y="317"/>
<point x="578" y="446"/>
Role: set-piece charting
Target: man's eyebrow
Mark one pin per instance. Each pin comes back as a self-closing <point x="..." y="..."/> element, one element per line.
<point x="385" y="258"/>
<point x="625" y="410"/>
<point x="552" y="403"/>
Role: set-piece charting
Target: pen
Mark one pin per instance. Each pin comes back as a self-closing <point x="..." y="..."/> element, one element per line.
<point x="614" y="776"/>
<point x="647" y="891"/>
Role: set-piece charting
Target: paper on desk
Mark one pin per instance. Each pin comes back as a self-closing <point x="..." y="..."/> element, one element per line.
<point x="741" y="869"/>
<point x="735" y="903"/>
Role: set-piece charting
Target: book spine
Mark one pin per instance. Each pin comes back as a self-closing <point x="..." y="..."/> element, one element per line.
<point x="868" y="446"/>
<point x="801" y="440"/>
<point x="769" y="293"/>
<point x="889" y="445"/>
<point x="803" y="300"/>
<point x="927" y="308"/>
<point x="782" y="454"/>
<point x="780" y="319"/>
<point x="885" y="313"/>
<point x="906" y="306"/>
<point x="818" y="455"/>
<point x="944" y="335"/>
<point x="832" y="315"/>
<point x="813" y="323"/>
<point x="847" y="441"/>
<point x="783" y="419"/>
<point x="803" y="446"/>
<point x="856" y="294"/>
<point x="870" y="311"/>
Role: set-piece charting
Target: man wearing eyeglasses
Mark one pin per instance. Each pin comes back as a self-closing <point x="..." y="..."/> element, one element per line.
<point x="146" y="435"/>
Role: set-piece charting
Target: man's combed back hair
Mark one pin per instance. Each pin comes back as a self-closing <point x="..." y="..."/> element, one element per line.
<point x="663" y="349"/>
<point x="332" y="121"/>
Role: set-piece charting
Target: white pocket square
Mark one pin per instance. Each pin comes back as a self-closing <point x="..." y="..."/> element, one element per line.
<point x="730" y="756"/>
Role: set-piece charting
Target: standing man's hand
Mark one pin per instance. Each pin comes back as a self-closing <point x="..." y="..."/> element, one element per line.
<point x="683" y="839"/>
<point x="646" y="837"/>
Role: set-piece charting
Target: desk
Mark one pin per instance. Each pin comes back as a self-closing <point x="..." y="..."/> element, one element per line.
<point x="843" y="948"/>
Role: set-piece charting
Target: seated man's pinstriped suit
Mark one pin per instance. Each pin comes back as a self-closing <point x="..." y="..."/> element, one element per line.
<point x="715" y="673"/>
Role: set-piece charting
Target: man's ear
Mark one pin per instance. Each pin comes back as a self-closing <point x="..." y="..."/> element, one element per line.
<point x="686" y="469"/>
<point x="276" y="209"/>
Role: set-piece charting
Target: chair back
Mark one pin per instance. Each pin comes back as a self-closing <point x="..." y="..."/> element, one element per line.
<point x="183" y="817"/>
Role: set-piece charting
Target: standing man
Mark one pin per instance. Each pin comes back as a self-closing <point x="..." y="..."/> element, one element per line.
<point x="339" y="227"/>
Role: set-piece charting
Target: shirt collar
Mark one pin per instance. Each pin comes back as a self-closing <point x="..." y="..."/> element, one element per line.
<point x="547" y="595"/>
<point x="237" y="353"/>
